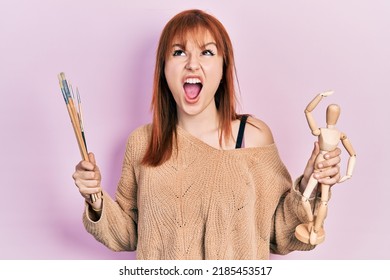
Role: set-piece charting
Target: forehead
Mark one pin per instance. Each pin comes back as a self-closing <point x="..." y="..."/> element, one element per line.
<point x="199" y="37"/>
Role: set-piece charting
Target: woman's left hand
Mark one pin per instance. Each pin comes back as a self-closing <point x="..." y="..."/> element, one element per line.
<point x="327" y="172"/>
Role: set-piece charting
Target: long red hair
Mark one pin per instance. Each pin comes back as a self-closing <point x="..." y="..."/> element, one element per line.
<point x="163" y="105"/>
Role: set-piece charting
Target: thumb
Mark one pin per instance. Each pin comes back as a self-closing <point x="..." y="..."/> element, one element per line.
<point x="93" y="161"/>
<point x="310" y="164"/>
<point x="315" y="152"/>
<point x="96" y="168"/>
<point x="92" y="158"/>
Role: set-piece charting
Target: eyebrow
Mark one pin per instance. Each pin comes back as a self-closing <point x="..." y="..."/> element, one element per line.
<point x="205" y="45"/>
<point x="210" y="43"/>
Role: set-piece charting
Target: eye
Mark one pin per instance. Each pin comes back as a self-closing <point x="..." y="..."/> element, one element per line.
<point x="208" y="53"/>
<point x="178" y="53"/>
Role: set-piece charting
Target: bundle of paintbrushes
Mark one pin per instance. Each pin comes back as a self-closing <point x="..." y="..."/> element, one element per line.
<point x="76" y="118"/>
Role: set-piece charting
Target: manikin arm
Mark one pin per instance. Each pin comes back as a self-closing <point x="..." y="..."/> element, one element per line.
<point x="312" y="105"/>
<point x="352" y="159"/>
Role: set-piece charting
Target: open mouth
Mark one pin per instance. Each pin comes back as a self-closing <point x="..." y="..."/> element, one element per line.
<point x="192" y="88"/>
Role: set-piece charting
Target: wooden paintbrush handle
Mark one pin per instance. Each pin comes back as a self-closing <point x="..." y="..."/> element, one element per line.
<point x="77" y="130"/>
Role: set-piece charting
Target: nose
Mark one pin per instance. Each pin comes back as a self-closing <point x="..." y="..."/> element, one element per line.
<point x="192" y="63"/>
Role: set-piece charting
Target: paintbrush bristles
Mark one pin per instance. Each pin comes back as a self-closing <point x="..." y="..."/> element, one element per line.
<point x="80" y="114"/>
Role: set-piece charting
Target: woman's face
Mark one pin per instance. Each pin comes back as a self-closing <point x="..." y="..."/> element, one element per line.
<point x="193" y="73"/>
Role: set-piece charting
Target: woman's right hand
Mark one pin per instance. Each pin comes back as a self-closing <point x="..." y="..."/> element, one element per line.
<point x="87" y="178"/>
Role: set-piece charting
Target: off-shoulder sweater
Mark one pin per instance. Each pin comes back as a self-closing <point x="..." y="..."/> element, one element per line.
<point x="203" y="203"/>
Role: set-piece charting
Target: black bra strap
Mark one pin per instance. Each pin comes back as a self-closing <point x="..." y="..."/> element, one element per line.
<point x="240" y="135"/>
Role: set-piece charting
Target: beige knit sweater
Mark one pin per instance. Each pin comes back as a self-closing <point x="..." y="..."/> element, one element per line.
<point x="203" y="203"/>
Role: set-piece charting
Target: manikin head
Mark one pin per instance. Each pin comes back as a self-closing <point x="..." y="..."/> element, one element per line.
<point x="332" y="114"/>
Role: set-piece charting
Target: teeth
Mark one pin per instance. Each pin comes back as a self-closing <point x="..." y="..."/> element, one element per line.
<point x="192" y="81"/>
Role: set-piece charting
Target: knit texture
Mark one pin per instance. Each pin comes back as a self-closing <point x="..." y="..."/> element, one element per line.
<point x="203" y="203"/>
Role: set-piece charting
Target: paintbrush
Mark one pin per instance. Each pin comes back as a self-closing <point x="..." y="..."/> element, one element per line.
<point x="81" y="117"/>
<point x="76" y="119"/>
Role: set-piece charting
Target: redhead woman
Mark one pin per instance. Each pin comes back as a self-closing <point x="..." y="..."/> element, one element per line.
<point x="200" y="181"/>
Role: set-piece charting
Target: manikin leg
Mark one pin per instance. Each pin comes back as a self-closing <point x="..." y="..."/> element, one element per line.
<point x="306" y="195"/>
<point x="312" y="232"/>
<point x="322" y="212"/>
<point x="302" y="232"/>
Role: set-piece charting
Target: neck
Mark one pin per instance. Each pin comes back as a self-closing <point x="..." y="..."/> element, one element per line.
<point x="200" y="124"/>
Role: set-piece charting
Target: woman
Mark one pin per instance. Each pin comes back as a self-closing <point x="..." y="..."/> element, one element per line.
<point x="198" y="183"/>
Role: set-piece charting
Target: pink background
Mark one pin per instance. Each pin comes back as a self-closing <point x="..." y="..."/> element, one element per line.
<point x="286" y="52"/>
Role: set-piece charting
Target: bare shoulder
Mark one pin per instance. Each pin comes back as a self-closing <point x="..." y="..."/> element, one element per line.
<point x="257" y="133"/>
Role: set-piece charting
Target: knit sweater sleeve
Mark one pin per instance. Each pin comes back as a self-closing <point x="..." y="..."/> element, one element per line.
<point x="117" y="226"/>
<point x="288" y="215"/>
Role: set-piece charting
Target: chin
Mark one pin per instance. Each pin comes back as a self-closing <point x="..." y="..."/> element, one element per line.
<point x="191" y="109"/>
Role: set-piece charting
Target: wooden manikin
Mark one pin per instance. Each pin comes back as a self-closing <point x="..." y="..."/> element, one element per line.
<point x="328" y="139"/>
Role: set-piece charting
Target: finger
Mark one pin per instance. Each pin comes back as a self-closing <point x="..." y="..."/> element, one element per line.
<point x="87" y="183"/>
<point x="335" y="153"/>
<point x="85" y="165"/>
<point x="88" y="191"/>
<point x="84" y="175"/>
<point x="330" y="176"/>
<point x="329" y="181"/>
<point x="330" y="172"/>
<point x="328" y="163"/>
